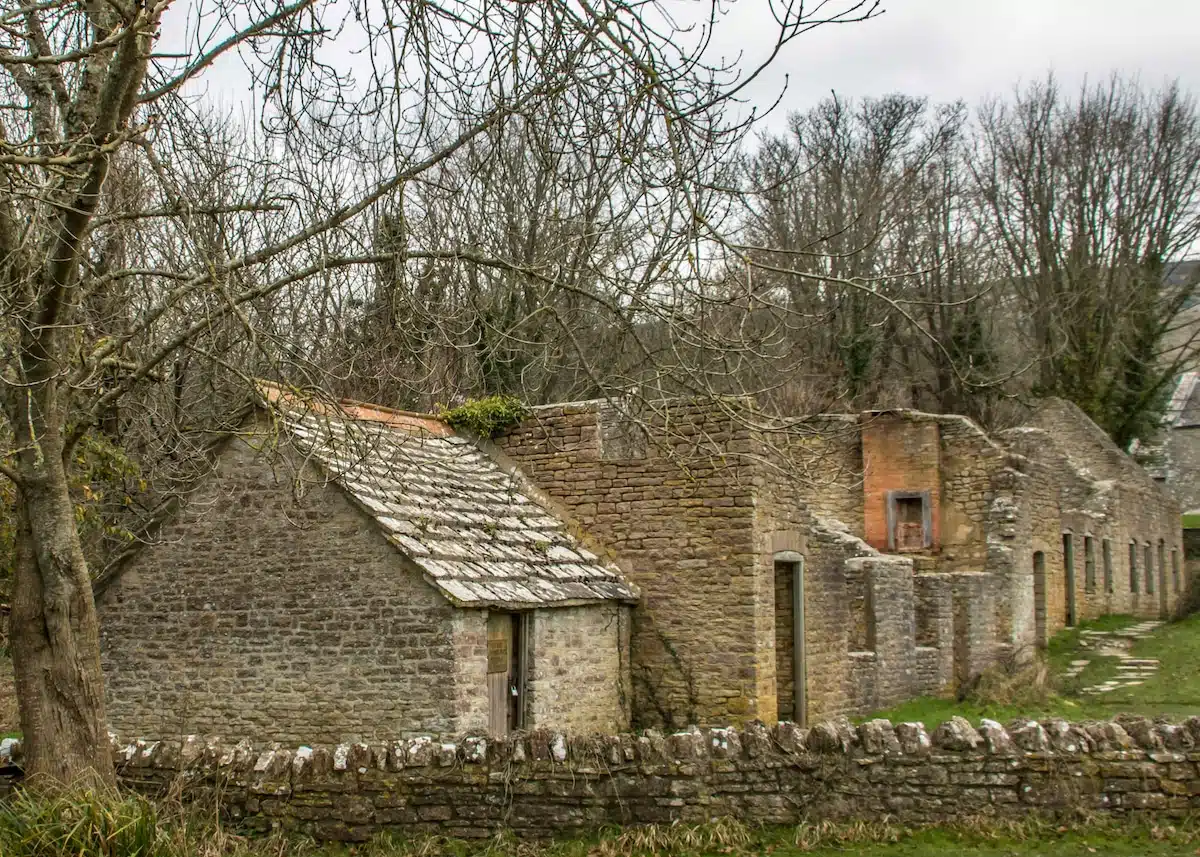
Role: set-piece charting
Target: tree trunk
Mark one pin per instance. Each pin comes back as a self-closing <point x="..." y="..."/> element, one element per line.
<point x="55" y="638"/>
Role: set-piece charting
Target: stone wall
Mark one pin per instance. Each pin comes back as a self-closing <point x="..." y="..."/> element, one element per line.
<point x="546" y="784"/>
<point x="1183" y="464"/>
<point x="282" y="617"/>
<point x="696" y="507"/>
<point x="1119" y="505"/>
<point x="579" y="674"/>
<point x="971" y="463"/>
<point x="826" y="458"/>
<point x="677" y="512"/>
<point x="696" y="516"/>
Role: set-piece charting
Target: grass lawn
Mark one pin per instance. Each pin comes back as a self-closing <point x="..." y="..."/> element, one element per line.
<point x="1173" y="690"/>
<point x="940" y="842"/>
<point x="1103" y="837"/>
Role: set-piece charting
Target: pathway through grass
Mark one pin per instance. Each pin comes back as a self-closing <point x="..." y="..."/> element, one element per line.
<point x="1174" y="689"/>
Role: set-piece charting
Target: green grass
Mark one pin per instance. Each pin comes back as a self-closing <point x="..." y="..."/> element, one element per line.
<point x="1173" y="690"/>
<point x="83" y="823"/>
<point x="1107" y="841"/>
<point x="1191" y="521"/>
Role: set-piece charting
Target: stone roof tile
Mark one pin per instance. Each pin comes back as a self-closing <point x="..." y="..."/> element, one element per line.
<point x="477" y="532"/>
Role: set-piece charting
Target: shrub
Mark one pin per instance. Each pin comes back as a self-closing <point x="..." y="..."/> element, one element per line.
<point x="489" y="417"/>
<point x="1021" y="682"/>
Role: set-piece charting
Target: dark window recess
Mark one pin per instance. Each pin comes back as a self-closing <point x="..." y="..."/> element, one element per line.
<point x="1133" y="569"/>
<point x="910" y="520"/>
<point x="1089" y="564"/>
<point x="1106" y="552"/>
<point x="1162" y="566"/>
<point x="1149" y="569"/>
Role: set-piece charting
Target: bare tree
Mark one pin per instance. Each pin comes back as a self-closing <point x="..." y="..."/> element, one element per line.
<point x="571" y="213"/>
<point x="89" y="89"/>
<point x="1086" y="203"/>
<point x="852" y="216"/>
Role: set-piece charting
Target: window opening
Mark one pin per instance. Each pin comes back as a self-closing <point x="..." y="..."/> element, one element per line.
<point x="1133" y="569"/>
<point x="1162" y="568"/>
<point x="910" y="520"/>
<point x="1149" y="569"/>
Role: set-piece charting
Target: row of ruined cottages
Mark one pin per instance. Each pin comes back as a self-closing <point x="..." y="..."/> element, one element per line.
<point x="350" y="572"/>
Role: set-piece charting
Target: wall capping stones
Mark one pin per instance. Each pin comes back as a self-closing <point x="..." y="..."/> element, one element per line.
<point x="547" y="783"/>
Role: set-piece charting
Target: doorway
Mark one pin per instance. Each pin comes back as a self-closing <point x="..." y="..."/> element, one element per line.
<point x="506" y="667"/>
<point x="1039" y="598"/>
<point x="790" y="672"/>
<point x="1068" y="542"/>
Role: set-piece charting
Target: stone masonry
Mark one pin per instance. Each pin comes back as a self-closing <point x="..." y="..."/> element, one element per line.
<point x="548" y="784"/>
<point x="699" y="510"/>
<point x="654" y="559"/>
<point x="271" y="607"/>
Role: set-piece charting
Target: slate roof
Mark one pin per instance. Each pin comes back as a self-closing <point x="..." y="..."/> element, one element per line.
<point x="481" y="534"/>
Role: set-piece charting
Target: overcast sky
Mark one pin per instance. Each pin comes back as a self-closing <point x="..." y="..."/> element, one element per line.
<point x="949" y="49"/>
<point x="942" y="49"/>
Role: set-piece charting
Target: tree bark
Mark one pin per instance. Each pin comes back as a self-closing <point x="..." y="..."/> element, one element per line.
<point x="55" y="638"/>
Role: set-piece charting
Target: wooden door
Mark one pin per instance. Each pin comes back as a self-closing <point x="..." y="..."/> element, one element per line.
<point x="505" y="672"/>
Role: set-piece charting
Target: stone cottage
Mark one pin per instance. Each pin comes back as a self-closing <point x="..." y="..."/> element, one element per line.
<point x="353" y="572"/>
<point x="852" y="561"/>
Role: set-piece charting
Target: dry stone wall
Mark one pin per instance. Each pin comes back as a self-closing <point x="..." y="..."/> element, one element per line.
<point x="547" y="784"/>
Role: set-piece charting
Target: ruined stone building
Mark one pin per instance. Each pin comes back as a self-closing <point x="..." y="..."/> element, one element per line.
<point x="351" y="572"/>
<point x="904" y="552"/>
